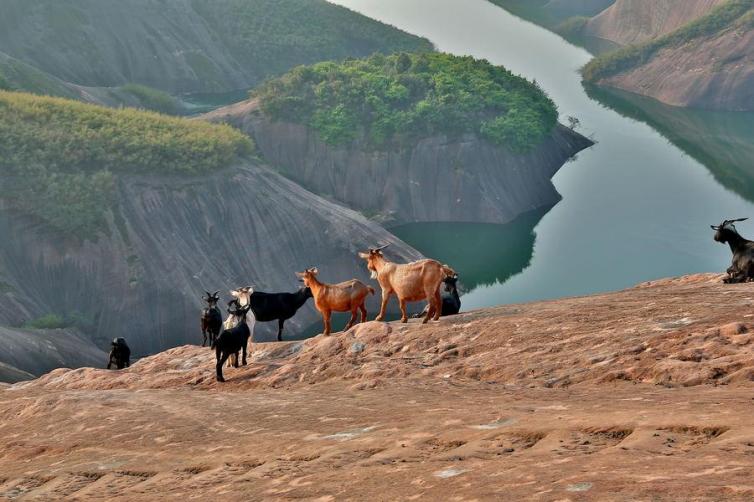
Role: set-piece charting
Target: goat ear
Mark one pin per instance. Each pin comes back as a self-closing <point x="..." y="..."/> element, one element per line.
<point x="314" y="271"/>
<point x="300" y="274"/>
<point x="364" y="255"/>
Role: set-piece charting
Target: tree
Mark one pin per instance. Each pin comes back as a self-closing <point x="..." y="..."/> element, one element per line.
<point x="573" y="122"/>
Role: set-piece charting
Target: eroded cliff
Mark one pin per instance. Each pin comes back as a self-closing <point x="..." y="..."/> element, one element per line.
<point x="438" y="178"/>
<point x="169" y="240"/>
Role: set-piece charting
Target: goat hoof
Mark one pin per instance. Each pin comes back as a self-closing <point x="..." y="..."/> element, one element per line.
<point x="220" y="379"/>
<point x="404" y="320"/>
<point x="379" y="318"/>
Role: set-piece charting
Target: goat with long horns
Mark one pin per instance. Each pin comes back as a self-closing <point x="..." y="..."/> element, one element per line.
<point x="742" y="265"/>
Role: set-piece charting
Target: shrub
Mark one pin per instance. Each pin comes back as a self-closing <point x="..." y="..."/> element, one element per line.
<point x="153" y="99"/>
<point x="405" y="96"/>
<point x="49" y="321"/>
<point x="59" y="158"/>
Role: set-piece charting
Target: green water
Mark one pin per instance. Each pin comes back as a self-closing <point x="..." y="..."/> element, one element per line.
<point x="637" y="206"/>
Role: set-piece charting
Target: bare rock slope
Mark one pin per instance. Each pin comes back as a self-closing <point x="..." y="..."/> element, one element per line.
<point x="693" y="53"/>
<point x="632" y="21"/>
<point x="171" y="239"/>
<point x="436" y="179"/>
<point x="643" y="394"/>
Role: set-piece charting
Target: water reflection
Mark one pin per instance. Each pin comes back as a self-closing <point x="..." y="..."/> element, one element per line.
<point x="482" y="254"/>
<point x="722" y="141"/>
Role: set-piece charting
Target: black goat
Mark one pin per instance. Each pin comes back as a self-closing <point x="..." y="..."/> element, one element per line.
<point x="742" y="266"/>
<point x="212" y="319"/>
<point x="451" y="300"/>
<point x="278" y="306"/>
<point x="120" y="354"/>
<point x="231" y="341"/>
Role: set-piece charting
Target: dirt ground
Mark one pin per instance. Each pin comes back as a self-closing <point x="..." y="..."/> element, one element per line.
<point x="644" y="394"/>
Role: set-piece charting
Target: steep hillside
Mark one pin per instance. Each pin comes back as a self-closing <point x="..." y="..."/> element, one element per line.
<point x="634" y="21"/>
<point x="186" y="45"/>
<point x="393" y="136"/>
<point x="706" y="63"/>
<point x="117" y="220"/>
<point x="642" y="394"/>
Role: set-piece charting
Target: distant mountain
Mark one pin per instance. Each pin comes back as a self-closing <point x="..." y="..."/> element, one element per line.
<point x="695" y="53"/>
<point x="636" y="21"/>
<point x="177" y="46"/>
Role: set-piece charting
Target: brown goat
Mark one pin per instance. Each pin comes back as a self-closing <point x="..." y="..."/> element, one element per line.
<point x="348" y="296"/>
<point x="410" y="282"/>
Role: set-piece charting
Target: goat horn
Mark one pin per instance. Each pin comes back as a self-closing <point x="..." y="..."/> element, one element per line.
<point x="739" y="219"/>
<point x="382" y="247"/>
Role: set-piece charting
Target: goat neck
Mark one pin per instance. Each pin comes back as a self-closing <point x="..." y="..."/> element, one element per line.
<point x="737" y="242"/>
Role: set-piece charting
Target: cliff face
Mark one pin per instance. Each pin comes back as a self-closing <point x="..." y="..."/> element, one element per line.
<point x="172" y="239"/>
<point x="634" y="21"/>
<point x="436" y="179"/>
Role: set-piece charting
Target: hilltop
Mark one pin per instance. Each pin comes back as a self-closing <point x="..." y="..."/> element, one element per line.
<point x="635" y="394"/>
<point x="89" y="50"/>
<point x="460" y="130"/>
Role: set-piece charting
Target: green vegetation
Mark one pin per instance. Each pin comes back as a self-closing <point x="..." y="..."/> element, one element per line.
<point x="152" y="99"/>
<point x="59" y="158"/>
<point x="732" y="14"/>
<point x="407" y="96"/>
<point x="49" y="321"/>
<point x="55" y="321"/>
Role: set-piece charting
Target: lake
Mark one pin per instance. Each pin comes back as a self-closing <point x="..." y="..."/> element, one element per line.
<point x="637" y="206"/>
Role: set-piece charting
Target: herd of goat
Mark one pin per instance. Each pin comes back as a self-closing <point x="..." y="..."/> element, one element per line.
<point x="409" y="282"/>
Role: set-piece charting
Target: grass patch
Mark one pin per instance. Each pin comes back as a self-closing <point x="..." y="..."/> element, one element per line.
<point x="59" y="158"/>
<point x="402" y="97"/>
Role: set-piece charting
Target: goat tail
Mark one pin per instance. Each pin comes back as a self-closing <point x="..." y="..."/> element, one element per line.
<point x="371" y="290"/>
<point x="449" y="272"/>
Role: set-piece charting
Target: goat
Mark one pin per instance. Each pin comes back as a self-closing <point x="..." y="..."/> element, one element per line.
<point x="451" y="300"/>
<point x="212" y="319"/>
<point x="348" y="296"/>
<point x="742" y="266"/>
<point x="410" y="282"/>
<point x="120" y="354"/>
<point x="278" y="306"/>
<point x="231" y="341"/>
<point x="241" y="298"/>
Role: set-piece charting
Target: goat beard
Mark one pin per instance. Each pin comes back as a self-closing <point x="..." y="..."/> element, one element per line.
<point x="373" y="275"/>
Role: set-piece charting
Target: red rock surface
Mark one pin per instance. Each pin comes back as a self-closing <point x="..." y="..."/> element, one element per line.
<point x="642" y="394"/>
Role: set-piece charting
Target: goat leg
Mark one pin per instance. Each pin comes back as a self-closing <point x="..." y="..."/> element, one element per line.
<point x="280" y="329"/>
<point x="243" y="349"/>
